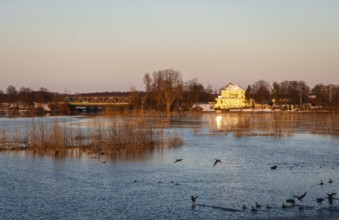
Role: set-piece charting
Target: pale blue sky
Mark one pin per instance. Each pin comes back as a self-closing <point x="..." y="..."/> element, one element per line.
<point x="88" y="46"/>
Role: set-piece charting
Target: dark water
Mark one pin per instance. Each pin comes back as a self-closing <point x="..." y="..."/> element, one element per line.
<point x="151" y="186"/>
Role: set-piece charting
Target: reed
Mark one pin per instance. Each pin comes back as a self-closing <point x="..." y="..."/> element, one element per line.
<point x="16" y="138"/>
<point x="98" y="136"/>
<point x="174" y="142"/>
<point x="3" y="138"/>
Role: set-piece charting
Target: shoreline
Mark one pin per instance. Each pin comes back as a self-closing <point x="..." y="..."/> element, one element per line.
<point x="139" y="112"/>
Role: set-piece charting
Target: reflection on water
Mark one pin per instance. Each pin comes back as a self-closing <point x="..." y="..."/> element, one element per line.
<point x="275" y="124"/>
<point x="131" y="156"/>
<point x="149" y="185"/>
<point x="101" y="133"/>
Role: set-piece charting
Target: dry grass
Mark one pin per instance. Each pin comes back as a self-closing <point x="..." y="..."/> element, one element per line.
<point x="174" y="142"/>
<point x="98" y="136"/>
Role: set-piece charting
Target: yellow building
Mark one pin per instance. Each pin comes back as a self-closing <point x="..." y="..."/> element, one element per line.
<point x="232" y="96"/>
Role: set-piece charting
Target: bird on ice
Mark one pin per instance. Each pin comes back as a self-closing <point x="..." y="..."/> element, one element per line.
<point x="274" y="167"/>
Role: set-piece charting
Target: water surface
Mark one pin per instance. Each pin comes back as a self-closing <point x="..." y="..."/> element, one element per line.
<point x="149" y="185"/>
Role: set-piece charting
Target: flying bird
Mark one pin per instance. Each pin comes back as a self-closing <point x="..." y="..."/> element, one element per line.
<point x="194" y="198"/>
<point x="300" y="198"/>
<point x="330" y="197"/>
<point x="216" y="162"/>
<point x="331" y="194"/>
<point x="177" y="160"/>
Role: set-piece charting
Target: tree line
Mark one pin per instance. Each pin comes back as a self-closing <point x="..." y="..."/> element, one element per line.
<point x="294" y="93"/>
<point x="165" y="90"/>
<point x="27" y="95"/>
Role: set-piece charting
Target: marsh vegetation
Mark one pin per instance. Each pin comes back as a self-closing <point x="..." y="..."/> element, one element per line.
<point x="136" y="134"/>
<point x="109" y="135"/>
<point x="136" y="177"/>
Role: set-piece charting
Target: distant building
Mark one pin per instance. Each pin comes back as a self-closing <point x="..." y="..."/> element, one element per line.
<point x="204" y="107"/>
<point x="232" y="96"/>
<point x="45" y="106"/>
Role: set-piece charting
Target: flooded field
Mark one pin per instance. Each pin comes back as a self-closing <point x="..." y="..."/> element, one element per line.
<point x="149" y="185"/>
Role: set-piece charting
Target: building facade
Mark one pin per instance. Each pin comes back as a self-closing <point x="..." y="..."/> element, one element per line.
<point x="232" y="96"/>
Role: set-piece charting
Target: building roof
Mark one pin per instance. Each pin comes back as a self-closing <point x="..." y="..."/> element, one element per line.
<point x="233" y="87"/>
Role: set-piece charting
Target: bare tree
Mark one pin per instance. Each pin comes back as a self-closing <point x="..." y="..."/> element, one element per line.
<point x="193" y="91"/>
<point x="12" y="93"/>
<point x="135" y="97"/>
<point x="2" y="96"/>
<point x="209" y="89"/>
<point x="318" y="90"/>
<point x="43" y="95"/>
<point x="170" y="84"/>
<point x="26" y="95"/>
<point x="148" y="81"/>
<point x="331" y="93"/>
<point x="261" y="91"/>
<point x="325" y="95"/>
<point x="166" y="86"/>
<point x="295" y="91"/>
<point x="248" y="92"/>
<point x="276" y="91"/>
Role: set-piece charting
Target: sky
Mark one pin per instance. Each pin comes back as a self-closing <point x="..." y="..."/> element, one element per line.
<point x="108" y="45"/>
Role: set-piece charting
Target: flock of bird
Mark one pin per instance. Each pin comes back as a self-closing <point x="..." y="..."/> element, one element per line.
<point x="291" y="201"/>
<point x="216" y="161"/>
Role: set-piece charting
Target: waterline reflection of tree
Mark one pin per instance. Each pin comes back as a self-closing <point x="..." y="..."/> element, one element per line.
<point x="275" y="124"/>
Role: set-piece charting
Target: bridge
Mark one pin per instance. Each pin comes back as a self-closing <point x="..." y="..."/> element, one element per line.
<point x="101" y="101"/>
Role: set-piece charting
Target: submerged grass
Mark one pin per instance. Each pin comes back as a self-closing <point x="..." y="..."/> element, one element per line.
<point x="95" y="136"/>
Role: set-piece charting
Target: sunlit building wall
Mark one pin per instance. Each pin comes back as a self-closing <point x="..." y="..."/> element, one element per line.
<point x="232" y="96"/>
